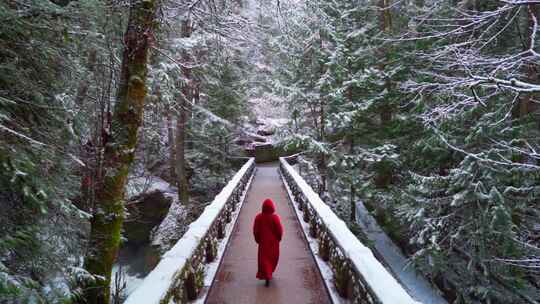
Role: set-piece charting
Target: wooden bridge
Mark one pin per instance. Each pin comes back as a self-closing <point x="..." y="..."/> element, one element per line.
<point x="321" y="261"/>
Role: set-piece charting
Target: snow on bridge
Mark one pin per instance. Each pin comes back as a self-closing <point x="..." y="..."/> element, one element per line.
<point x="215" y="260"/>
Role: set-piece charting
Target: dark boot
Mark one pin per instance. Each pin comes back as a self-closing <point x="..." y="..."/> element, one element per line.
<point x="267" y="283"/>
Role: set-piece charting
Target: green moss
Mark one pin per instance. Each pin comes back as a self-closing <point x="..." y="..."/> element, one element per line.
<point x="341" y="276"/>
<point x="178" y="290"/>
<point x="324" y="248"/>
<point x="105" y="249"/>
<point x="119" y="153"/>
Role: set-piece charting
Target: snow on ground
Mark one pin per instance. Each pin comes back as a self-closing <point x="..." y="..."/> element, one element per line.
<point x="169" y="228"/>
<point x="131" y="281"/>
<point x="382" y="283"/>
<point x="270" y="119"/>
<point x="162" y="235"/>
<point x="415" y="283"/>
<point x="268" y="107"/>
<point x="139" y="185"/>
<point x="271" y="122"/>
<point x="56" y="287"/>
<point x="157" y="283"/>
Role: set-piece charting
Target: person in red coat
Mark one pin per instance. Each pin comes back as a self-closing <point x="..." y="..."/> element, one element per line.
<point x="268" y="232"/>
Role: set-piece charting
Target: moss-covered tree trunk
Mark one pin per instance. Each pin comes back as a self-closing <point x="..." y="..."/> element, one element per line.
<point x="182" y="122"/>
<point x="108" y="213"/>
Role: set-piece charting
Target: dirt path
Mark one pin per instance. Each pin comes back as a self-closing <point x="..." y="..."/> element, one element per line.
<point x="296" y="280"/>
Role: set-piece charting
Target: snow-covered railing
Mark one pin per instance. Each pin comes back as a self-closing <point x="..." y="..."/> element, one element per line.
<point x="179" y="276"/>
<point x="358" y="275"/>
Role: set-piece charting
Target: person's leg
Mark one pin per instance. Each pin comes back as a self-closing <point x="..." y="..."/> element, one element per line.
<point x="267" y="283"/>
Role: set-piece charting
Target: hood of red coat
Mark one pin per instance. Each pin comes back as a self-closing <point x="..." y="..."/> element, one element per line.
<point x="268" y="206"/>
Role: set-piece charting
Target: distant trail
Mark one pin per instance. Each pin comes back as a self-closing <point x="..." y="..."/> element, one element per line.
<point x="297" y="278"/>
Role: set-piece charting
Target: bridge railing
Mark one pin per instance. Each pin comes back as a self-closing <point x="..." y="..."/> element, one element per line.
<point x="357" y="274"/>
<point x="179" y="276"/>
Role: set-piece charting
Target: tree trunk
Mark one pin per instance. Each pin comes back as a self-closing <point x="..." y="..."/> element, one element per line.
<point x="353" y="204"/>
<point x="87" y="154"/>
<point x="385" y="17"/>
<point x="323" y="170"/>
<point x="183" y="118"/>
<point x="171" y="139"/>
<point x="353" y="189"/>
<point x="82" y="89"/>
<point x="172" y="152"/>
<point x="386" y="27"/>
<point x="196" y="100"/>
<point x="384" y="177"/>
<point x="525" y="104"/>
<point x="181" y="172"/>
<point x="108" y="214"/>
<point x="534" y="77"/>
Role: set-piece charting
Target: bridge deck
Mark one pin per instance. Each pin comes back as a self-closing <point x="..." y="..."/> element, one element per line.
<point x="296" y="280"/>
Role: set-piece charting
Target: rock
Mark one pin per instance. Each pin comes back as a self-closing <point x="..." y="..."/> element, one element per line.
<point x="161" y="168"/>
<point x="266" y="131"/>
<point x="259" y="139"/>
<point x="242" y="141"/>
<point x="145" y="212"/>
<point x="171" y="228"/>
<point x="270" y="152"/>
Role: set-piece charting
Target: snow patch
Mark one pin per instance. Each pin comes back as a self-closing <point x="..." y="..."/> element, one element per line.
<point x="139" y="185"/>
<point x="168" y="229"/>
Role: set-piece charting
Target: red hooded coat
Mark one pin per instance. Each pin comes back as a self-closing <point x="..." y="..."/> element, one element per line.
<point x="268" y="231"/>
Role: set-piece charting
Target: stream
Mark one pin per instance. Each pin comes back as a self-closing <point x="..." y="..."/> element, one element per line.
<point x="414" y="282"/>
<point x="132" y="266"/>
